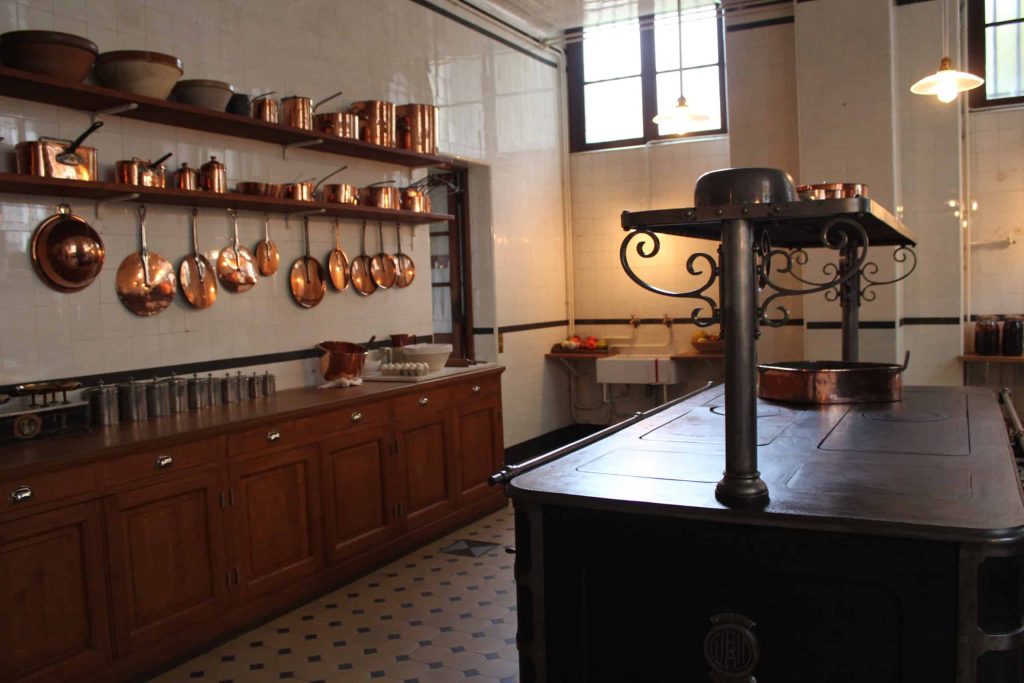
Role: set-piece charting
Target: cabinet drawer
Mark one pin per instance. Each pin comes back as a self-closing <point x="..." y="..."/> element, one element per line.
<point x="159" y="461"/>
<point x="475" y="388"/>
<point x="347" y="418"/>
<point x="270" y="435"/>
<point x="38" y="489"/>
<point x="422" y="401"/>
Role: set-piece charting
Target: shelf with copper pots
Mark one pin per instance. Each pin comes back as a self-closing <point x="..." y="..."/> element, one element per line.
<point x="102" y="192"/>
<point x="106" y="101"/>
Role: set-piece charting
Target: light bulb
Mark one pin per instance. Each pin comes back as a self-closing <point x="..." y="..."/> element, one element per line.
<point x="946" y="90"/>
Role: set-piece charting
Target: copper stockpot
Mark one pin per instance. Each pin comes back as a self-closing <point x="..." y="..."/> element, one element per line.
<point x="341" y="193"/>
<point x="55" y="158"/>
<point x="382" y="195"/>
<point x="415" y="199"/>
<point x="338" y="123"/>
<point x="141" y="172"/>
<point x="265" y="108"/>
<point x="417" y="127"/>
<point x="826" y="382"/>
<point x="185" y="178"/>
<point x="378" y="122"/>
<point x="297" y="112"/>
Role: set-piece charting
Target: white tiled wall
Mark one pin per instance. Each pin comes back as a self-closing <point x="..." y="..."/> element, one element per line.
<point x="498" y="107"/>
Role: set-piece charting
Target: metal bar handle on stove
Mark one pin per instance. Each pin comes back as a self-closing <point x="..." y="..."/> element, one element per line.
<point x="509" y="472"/>
<point x="1006" y="398"/>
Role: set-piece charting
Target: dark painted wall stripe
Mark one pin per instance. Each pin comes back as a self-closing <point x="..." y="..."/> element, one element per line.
<point x="930" y="321"/>
<point x="909" y="2"/>
<point x="532" y="326"/>
<point x="759" y="24"/>
<point x="479" y="29"/>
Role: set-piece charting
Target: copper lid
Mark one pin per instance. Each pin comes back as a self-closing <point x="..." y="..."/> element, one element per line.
<point x="140" y="56"/>
<point x="68" y="39"/>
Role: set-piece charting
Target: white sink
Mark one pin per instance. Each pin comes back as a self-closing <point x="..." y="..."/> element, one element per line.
<point x="638" y="369"/>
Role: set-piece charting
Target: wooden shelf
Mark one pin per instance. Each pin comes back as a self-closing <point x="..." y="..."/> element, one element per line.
<point x="38" y="88"/>
<point x="580" y="355"/>
<point x="12" y="183"/>
<point x="976" y="358"/>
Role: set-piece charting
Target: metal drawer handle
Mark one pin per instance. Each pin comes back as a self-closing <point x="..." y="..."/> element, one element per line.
<point x="357" y="416"/>
<point x="21" y="494"/>
<point x="424" y="400"/>
<point x="476" y="388"/>
<point x="164" y="461"/>
<point x="273" y="436"/>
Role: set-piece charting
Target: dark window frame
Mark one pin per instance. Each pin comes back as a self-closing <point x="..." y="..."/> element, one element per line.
<point x="976" y="57"/>
<point x="648" y="80"/>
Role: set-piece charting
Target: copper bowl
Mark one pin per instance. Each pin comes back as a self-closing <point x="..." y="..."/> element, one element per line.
<point x="274" y="190"/>
<point x="63" y="56"/>
<point x="341" y="360"/>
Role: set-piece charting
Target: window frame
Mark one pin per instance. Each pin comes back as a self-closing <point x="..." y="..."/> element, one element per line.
<point x="648" y="84"/>
<point x="977" y="98"/>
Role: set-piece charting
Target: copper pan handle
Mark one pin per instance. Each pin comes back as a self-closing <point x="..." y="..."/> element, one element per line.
<point x="906" y="361"/>
<point x="327" y="99"/>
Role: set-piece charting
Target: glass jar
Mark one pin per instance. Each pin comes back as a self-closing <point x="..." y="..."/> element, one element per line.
<point x="1013" y="335"/>
<point x="986" y="336"/>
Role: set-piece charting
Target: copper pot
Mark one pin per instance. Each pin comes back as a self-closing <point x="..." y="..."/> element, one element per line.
<point x="185" y="178"/>
<point x="341" y="360"/>
<point x="417" y="127"/>
<point x="141" y="172"/>
<point x="67" y="253"/>
<point x="832" y="191"/>
<point x="305" y="191"/>
<point x="264" y="108"/>
<point x="341" y="193"/>
<point x="826" y="382"/>
<point x="378" y="121"/>
<point x="338" y="123"/>
<point x="381" y="195"/>
<point x="297" y="112"/>
<point x="54" y="158"/>
<point x="213" y="176"/>
<point x="415" y="199"/>
<point x="273" y="190"/>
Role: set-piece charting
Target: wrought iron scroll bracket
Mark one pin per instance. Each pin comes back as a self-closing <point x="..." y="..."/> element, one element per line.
<point x="902" y="254"/>
<point x="713" y="272"/>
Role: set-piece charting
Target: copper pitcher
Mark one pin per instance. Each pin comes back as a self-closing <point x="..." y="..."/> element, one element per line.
<point x="417" y="127"/>
<point x="378" y="121"/>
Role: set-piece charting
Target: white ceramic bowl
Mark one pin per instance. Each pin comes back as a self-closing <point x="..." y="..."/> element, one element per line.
<point x="434" y="355"/>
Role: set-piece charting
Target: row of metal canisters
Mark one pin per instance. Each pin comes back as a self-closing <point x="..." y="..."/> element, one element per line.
<point x="140" y="400"/>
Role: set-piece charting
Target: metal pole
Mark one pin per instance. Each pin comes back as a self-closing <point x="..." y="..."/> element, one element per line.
<point x="849" y="301"/>
<point x="741" y="485"/>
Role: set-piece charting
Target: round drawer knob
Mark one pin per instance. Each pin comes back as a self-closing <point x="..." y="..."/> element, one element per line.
<point x="424" y="400"/>
<point x="21" y="494"/>
<point x="476" y="388"/>
<point x="164" y="461"/>
<point x="357" y="416"/>
<point x="273" y="436"/>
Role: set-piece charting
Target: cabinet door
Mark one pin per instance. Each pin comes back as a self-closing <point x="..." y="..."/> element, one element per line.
<point x="276" y="520"/>
<point x="479" y="447"/>
<point x="359" y="503"/>
<point x="425" y="447"/>
<point x="54" y="623"/>
<point x="167" y="559"/>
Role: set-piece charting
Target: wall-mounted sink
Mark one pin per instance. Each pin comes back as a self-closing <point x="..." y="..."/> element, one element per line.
<point x="638" y="369"/>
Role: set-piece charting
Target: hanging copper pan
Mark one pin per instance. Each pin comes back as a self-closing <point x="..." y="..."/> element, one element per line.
<point x="145" y="279"/>
<point x="359" y="270"/>
<point x="382" y="266"/>
<point x="236" y="268"/>
<point x="406" y="269"/>
<point x="196" y="274"/>
<point x="337" y="262"/>
<point x="267" y="256"/>
<point x="307" y="277"/>
<point x="67" y="253"/>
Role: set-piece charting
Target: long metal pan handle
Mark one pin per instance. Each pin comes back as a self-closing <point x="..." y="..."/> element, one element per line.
<point x="1006" y="398"/>
<point x="509" y="472"/>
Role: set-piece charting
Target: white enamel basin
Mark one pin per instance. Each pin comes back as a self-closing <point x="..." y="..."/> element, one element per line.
<point x="638" y="369"/>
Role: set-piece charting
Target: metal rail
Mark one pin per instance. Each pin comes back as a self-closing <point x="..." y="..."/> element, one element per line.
<point x="1006" y="398"/>
<point x="509" y="472"/>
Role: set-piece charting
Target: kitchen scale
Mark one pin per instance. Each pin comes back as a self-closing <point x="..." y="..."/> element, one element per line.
<point x="51" y="417"/>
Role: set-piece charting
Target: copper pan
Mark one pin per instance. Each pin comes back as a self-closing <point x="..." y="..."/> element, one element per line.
<point x="382" y="195"/>
<point x="826" y="382"/>
<point x="341" y="193"/>
<point x="337" y="262"/>
<point x="359" y="269"/>
<point x="415" y="199"/>
<point x="196" y="274"/>
<point x="142" y="173"/>
<point x="236" y="268"/>
<point x="383" y="269"/>
<point x="145" y="279"/>
<point x="404" y="263"/>
<point x="305" y="190"/>
<point x="341" y="360"/>
<point x="54" y="158"/>
<point x="267" y="256"/>
<point x="67" y="253"/>
<point x="307" y="277"/>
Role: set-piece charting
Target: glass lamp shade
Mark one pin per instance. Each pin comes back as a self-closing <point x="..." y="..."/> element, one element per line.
<point x="946" y="83"/>
<point x="682" y="118"/>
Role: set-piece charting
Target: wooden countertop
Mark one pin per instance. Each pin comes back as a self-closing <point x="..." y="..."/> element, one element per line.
<point x="103" y="442"/>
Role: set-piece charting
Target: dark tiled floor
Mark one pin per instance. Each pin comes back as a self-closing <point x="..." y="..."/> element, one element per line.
<point x="442" y="614"/>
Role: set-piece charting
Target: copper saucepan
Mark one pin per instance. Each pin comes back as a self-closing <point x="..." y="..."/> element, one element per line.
<point x="54" y="158"/>
<point x="382" y="195"/>
<point x="341" y="193"/>
<point x="417" y="127"/>
<point x="341" y="124"/>
<point x="142" y="173"/>
<point x="67" y="253"/>
<point x="378" y="122"/>
<point x="305" y="191"/>
<point x="297" y="112"/>
<point x="145" y="280"/>
<point x="307" y="280"/>
<point x="415" y="199"/>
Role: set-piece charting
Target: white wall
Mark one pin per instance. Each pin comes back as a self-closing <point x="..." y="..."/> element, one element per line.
<point x="498" y="107"/>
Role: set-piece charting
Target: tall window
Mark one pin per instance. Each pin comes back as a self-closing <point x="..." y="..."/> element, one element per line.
<point x="996" y="50"/>
<point x="622" y="74"/>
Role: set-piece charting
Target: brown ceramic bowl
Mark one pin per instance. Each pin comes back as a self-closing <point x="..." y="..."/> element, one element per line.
<point x="151" y="74"/>
<point x="61" y="55"/>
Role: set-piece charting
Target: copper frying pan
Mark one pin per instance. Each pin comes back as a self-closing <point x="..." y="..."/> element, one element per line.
<point x="359" y="270"/>
<point x="406" y="269"/>
<point x="267" y="257"/>
<point x="67" y="253"/>
<point x="382" y="266"/>
<point x="196" y="275"/>
<point x="307" y="276"/>
<point x="145" y="280"/>
<point x="236" y="269"/>
<point x="337" y="263"/>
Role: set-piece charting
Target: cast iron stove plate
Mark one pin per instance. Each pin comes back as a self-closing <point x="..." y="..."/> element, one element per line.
<point x="672" y="465"/>
<point x="706" y="424"/>
<point x="860" y="478"/>
<point x="923" y="423"/>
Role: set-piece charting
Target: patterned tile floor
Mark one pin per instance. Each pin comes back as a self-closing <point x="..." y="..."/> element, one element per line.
<point x="441" y="614"/>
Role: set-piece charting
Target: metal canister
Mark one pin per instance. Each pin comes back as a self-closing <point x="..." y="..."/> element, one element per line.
<point x="213" y="176"/>
<point x="198" y="392"/>
<point x="243" y="386"/>
<point x="212" y="391"/>
<point x="269" y="384"/>
<point x="228" y="389"/>
<point x="131" y="401"/>
<point x="103" y="404"/>
<point x="255" y="386"/>
<point x="178" y="388"/>
<point x="158" y="398"/>
<point x="216" y="390"/>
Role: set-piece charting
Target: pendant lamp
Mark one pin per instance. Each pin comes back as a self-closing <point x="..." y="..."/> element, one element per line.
<point x="682" y="118"/>
<point x="946" y="83"/>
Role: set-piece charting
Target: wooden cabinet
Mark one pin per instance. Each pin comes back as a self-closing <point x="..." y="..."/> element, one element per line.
<point x="428" y="467"/>
<point x="275" y="516"/>
<point x="167" y="558"/>
<point x="362" y="487"/>
<point x="478" y="446"/>
<point x="54" y="623"/>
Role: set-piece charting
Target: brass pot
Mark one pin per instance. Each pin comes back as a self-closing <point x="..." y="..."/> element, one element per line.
<point x="141" y="172"/>
<point x="381" y="195"/>
<point x="338" y="123"/>
<point x="415" y="199"/>
<point x="378" y="122"/>
<point x="341" y="193"/>
<point x="417" y="127"/>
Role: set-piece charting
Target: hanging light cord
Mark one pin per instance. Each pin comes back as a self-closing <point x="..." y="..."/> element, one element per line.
<point x="679" y="26"/>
